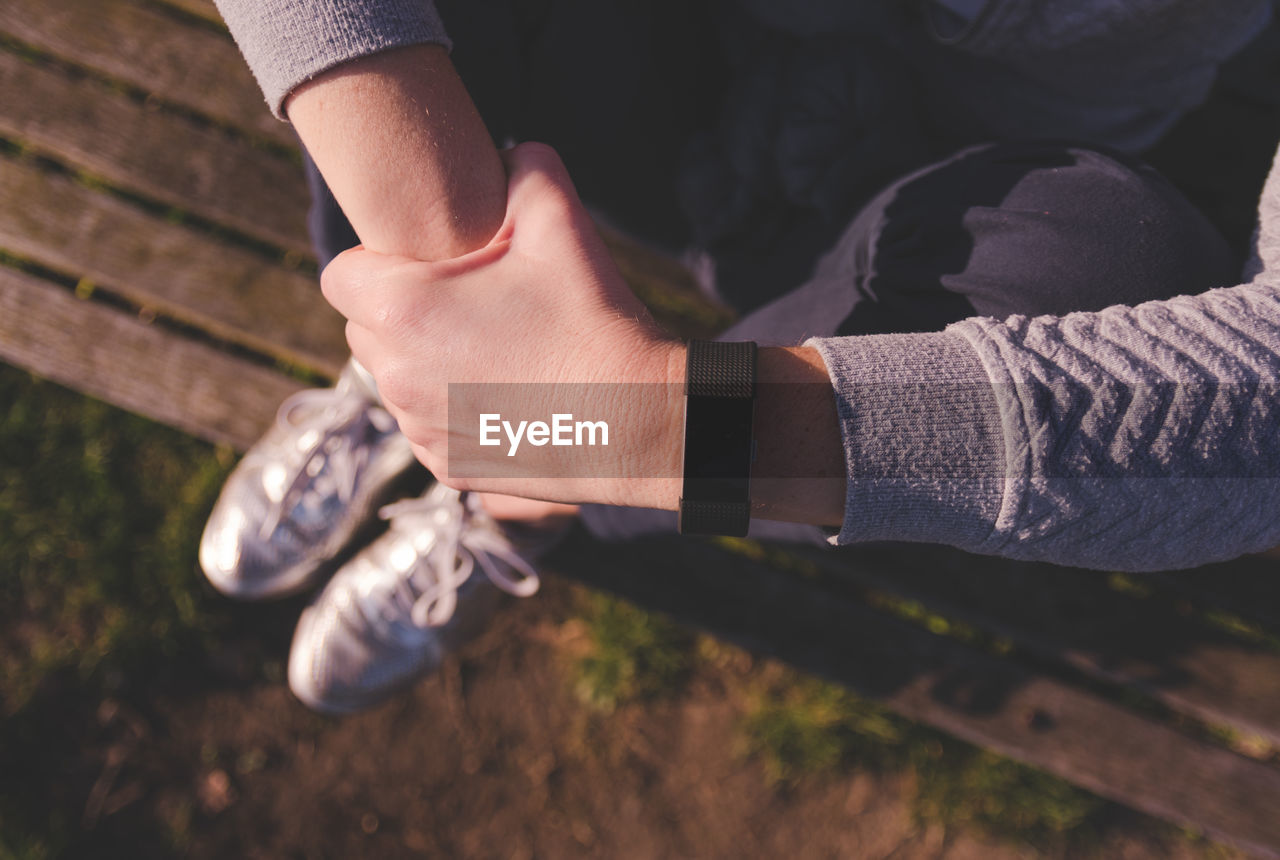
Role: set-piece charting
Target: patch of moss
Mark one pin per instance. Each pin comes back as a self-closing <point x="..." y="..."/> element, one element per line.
<point x="100" y="514"/>
<point x="632" y="654"/>
<point x="961" y="785"/>
<point x="801" y="728"/>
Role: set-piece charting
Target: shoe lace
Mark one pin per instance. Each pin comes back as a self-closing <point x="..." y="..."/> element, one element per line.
<point x="331" y="422"/>
<point x="429" y="592"/>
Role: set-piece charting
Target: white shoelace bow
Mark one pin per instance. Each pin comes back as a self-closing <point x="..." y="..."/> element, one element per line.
<point x="430" y="590"/>
<point x="333" y="419"/>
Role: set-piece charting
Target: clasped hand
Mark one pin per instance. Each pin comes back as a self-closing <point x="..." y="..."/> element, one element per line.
<point x="522" y="320"/>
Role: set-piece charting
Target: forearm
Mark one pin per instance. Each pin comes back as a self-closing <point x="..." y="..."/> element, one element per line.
<point x="400" y="143"/>
<point x="371" y="91"/>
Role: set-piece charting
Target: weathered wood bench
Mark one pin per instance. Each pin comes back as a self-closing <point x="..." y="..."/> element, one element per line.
<point x="154" y="256"/>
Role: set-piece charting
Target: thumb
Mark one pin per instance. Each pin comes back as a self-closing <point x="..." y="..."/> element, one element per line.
<point x="542" y="203"/>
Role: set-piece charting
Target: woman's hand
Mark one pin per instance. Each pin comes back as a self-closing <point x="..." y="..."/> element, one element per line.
<point x="514" y="329"/>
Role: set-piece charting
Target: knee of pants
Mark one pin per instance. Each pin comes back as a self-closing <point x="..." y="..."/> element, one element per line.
<point x="1029" y="228"/>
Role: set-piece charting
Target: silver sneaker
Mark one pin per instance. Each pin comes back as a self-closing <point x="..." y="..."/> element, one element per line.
<point x="303" y="490"/>
<point x="393" y="612"/>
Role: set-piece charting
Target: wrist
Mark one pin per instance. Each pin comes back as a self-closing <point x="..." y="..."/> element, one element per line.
<point x="657" y="479"/>
<point x="799" y="474"/>
<point x="405" y="152"/>
<point x="719" y="440"/>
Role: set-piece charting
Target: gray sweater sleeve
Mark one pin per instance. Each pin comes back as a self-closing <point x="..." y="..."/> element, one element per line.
<point x="1135" y="438"/>
<point x="288" y="43"/>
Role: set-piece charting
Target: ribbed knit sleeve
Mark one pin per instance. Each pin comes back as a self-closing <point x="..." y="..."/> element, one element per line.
<point x="287" y="42"/>
<point x="924" y="450"/>
<point x="1134" y="438"/>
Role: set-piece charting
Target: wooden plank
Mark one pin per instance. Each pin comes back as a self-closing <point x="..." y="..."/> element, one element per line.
<point x="1152" y="643"/>
<point x="1248" y="587"/>
<point x="200" y="8"/>
<point x="184" y="164"/>
<point x="141" y="45"/>
<point x="990" y="702"/>
<point x="112" y="355"/>
<point x="156" y="154"/>
<point x="234" y="294"/>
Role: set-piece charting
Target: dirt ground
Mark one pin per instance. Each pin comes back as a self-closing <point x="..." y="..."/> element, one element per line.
<point x="494" y="757"/>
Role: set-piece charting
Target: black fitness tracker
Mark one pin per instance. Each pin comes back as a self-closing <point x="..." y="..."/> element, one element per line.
<point x="720" y="390"/>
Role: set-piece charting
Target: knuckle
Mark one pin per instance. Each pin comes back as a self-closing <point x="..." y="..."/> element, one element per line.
<point x="341" y="276"/>
<point x="433" y="460"/>
<point x="389" y="318"/>
<point x="396" y="302"/>
<point x="456" y="482"/>
<point x="351" y="332"/>
<point x="395" y="386"/>
<point x="426" y="458"/>
<point x="332" y="274"/>
<point x="328" y="283"/>
<point x="422" y="432"/>
<point x="409" y="428"/>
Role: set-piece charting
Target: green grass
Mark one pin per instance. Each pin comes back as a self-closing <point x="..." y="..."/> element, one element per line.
<point x="802" y="728"/>
<point x="632" y="654"/>
<point x="960" y="784"/>
<point x="100" y="512"/>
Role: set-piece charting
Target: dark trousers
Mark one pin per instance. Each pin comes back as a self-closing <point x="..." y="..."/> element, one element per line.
<point x="1025" y="228"/>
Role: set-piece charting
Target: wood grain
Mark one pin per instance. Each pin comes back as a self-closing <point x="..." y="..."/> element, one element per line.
<point x="200" y="8"/>
<point x="994" y="703"/>
<point x="157" y="154"/>
<point x="188" y="65"/>
<point x="1150" y="642"/>
<point x="111" y="355"/>
<point x="232" y="293"/>
<point x="1248" y="587"/>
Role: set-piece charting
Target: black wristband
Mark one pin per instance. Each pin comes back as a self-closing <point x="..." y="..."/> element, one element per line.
<point x="720" y="387"/>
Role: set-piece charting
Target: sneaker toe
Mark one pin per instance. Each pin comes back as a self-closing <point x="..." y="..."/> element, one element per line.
<point x="240" y="563"/>
<point x="336" y="667"/>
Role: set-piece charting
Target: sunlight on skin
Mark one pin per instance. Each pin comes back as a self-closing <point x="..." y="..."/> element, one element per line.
<point x="532" y="512"/>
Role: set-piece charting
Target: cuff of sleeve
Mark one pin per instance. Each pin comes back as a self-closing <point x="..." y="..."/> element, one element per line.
<point x="289" y="43"/>
<point x="924" y="448"/>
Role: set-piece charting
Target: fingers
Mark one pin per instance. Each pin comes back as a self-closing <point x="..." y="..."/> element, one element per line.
<point x="358" y="282"/>
<point x="391" y="295"/>
<point x="437" y="464"/>
<point x="543" y="212"/>
<point x="426" y="458"/>
<point x="542" y="204"/>
<point x="366" y="348"/>
<point x="535" y="161"/>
